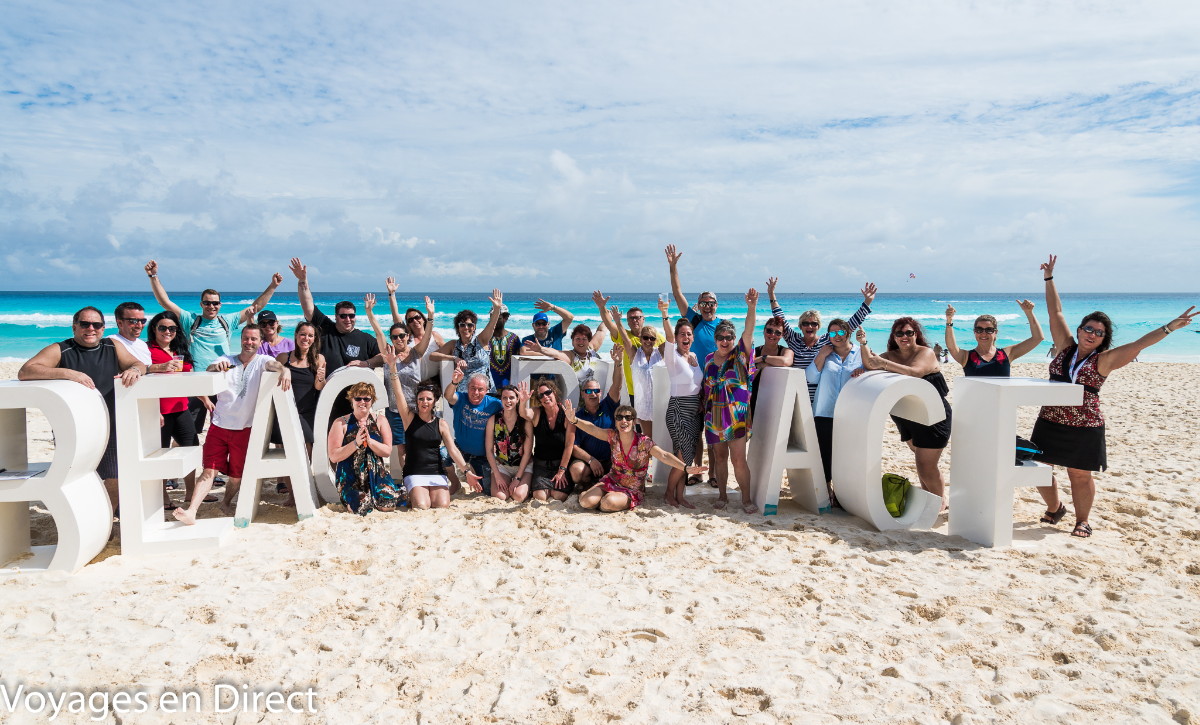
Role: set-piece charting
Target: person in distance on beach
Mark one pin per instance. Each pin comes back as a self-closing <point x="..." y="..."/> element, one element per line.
<point x="131" y="320"/>
<point x="424" y="436"/>
<point x="359" y="445"/>
<point x="624" y="486"/>
<point x="469" y="351"/>
<point x="509" y="444"/>
<point x="229" y="434"/>
<point x="987" y="360"/>
<point x="908" y="353"/>
<point x="807" y="343"/>
<point x="831" y="370"/>
<point x="543" y="333"/>
<point x="726" y="399"/>
<point x="1073" y="436"/>
<point x="96" y="362"/>
<point x="684" y="420"/>
<point x="210" y="334"/>
<point x="553" y="441"/>
<point x="593" y="456"/>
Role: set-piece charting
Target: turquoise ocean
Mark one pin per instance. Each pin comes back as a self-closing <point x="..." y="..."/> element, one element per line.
<point x="32" y="320"/>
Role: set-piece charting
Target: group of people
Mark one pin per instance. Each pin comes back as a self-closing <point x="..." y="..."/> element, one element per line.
<point x="516" y="442"/>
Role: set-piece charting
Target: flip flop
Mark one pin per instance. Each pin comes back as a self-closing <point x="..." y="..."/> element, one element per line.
<point x="210" y="498"/>
<point x="693" y="479"/>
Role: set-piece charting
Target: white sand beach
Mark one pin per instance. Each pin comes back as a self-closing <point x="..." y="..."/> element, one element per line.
<point x="494" y="612"/>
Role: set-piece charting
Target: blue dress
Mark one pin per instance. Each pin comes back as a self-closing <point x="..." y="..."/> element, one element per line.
<point x="362" y="478"/>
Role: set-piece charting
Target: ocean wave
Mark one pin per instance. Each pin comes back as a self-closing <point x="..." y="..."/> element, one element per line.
<point x="37" y="319"/>
<point x="960" y="316"/>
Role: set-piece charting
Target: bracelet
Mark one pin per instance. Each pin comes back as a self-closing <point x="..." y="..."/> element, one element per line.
<point x="949" y="324"/>
<point x="1047" y="279"/>
<point x="152" y="276"/>
<point x="562" y="468"/>
<point x="1166" y="330"/>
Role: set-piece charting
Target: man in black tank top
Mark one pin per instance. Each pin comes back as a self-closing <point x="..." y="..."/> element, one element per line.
<point x="91" y="360"/>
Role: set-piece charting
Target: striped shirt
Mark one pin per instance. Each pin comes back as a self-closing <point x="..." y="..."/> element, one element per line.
<point x="805" y="354"/>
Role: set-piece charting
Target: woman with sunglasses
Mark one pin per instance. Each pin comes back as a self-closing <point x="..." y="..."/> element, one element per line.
<point x="553" y="441"/>
<point x="726" y="397"/>
<point x="307" y="366"/>
<point x="508" y="442"/>
<point x="643" y="357"/>
<point x="833" y="367"/>
<point x="404" y="377"/>
<point x="684" y="420"/>
<point x="771" y="354"/>
<point x="624" y="486"/>
<point x="470" y="352"/>
<point x="169" y="354"/>
<point x="415" y="322"/>
<point x="908" y="353"/>
<point x="987" y="360"/>
<point x="1072" y="436"/>
<point x="359" y="444"/>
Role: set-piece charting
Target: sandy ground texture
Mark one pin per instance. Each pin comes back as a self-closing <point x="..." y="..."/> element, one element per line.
<point x="494" y="612"/>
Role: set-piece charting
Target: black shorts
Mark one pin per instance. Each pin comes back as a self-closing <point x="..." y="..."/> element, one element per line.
<point x="924" y="436"/>
<point x="179" y="427"/>
<point x="543" y="473"/>
<point x="1070" y="446"/>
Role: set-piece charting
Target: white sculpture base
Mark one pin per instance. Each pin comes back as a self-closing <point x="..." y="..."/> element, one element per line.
<point x="275" y="403"/>
<point x="785" y="437"/>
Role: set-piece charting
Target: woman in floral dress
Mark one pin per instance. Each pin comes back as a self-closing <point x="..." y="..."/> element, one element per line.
<point x="725" y="396"/>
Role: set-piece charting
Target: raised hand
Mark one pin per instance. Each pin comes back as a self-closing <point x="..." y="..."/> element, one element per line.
<point x="252" y="310"/>
<point x="497" y="298"/>
<point x="771" y="282"/>
<point x="523" y="392"/>
<point x="616" y="314"/>
<point x="861" y="336"/>
<point x="390" y="282"/>
<point x="298" y="269"/>
<point x="428" y="306"/>
<point x="1184" y="319"/>
<point x="600" y="300"/>
<point x="569" y="412"/>
<point x="543" y="305"/>
<point x="151" y="268"/>
<point x="663" y="307"/>
<point x="457" y="377"/>
<point x="617" y="353"/>
<point x="950" y="313"/>
<point x="751" y="297"/>
<point x="369" y="301"/>
<point x="1048" y="266"/>
<point x="389" y="355"/>
<point x="868" y="293"/>
<point x="672" y="255"/>
<point x="1026" y="305"/>
<point x="276" y="279"/>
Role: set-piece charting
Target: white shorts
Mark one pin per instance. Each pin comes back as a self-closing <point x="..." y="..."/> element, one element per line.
<point x="411" y="482"/>
<point x="511" y="471"/>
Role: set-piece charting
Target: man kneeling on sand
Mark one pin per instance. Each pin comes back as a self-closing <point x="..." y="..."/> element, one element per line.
<point x="229" y="434"/>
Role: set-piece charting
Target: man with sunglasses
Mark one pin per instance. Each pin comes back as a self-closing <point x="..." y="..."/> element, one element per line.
<point x="592" y="455"/>
<point x="273" y="342"/>
<point x="543" y="333"/>
<point x="341" y="343"/>
<point x="807" y="343"/>
<point x="131" y="320"/>
<point x="92" y="360"/>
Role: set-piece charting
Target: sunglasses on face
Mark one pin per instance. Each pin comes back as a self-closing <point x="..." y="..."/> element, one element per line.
<point x="772" y="331"/>
<point x="838" y="333"/>
<point x="268" y="323"/>
<point x="707" y="303"/>
<point x="90" y="325"/>
<point x="906" y="333"/>
<point x="211" y="303"/>
<point x="540" y="323"/>
<point x="651" y="338"/>
<point x="399" y="336"/>
<point x="466" y="325"/>
<point x="810" y="324"/>
<point x="985" y="330"/>
<point x="636" y="317"/>
<point x="361" y="399"/>
<point x="546" y="394"/>
<point x="411" y="320"/>
<point x="134" y="320"/>
<point x="593" y="391"/>
<point x="346" y="315"/>
<point x="1098" y="332"/>
<point x="623" y="416"/>
<point x="167" y="329"/>
<point x="724" y="338"/>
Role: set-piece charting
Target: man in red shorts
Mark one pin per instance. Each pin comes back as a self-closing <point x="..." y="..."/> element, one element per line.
<point x="225" y="446"/>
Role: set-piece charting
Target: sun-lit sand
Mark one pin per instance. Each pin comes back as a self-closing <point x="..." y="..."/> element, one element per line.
<point x="493" y="612"/>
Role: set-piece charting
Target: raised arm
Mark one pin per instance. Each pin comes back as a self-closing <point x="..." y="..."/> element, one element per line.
<point x="397" y="318"/>
<point x="160" y="292"/>
<point x="606" y="319"/>
<point x="260" y="302"/>
<point x="485" y="337"/>
<point x="590" y="428"/>
<point x="302" y="291"/>
<point x="622" y="335"/>
<point x="668" y="328"/>
<point x="451" y="391"/>
<point x="393" y="380"/>
<point x="789" y="335"/>
<point x="1119" y="357"/>
<point x="676" y="290"/>
<point x="618" y="376"/>
<point x="524" y="401"/>
<point x="959" y="355"/>
<point x="860" y="315"/>
<point x="1060" y="331"/>
<point x="748" y="329"/>
<point x="1035" y="332"/>
<point x="567" y="317"/>
<point x="380" y="338"/>
<point x="427" y="337"/>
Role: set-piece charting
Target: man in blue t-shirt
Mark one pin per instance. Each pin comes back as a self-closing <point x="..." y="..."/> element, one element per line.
<point x="471" y="416"/>
<point x="208" y="334"/>
<point x="543" y="333"/>
<point x="592" y="455"/>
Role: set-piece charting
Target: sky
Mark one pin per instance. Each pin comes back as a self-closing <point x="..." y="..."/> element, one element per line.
<point x="557" y="147"/>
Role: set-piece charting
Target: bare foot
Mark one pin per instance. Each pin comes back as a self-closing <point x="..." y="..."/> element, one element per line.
<point x="184" y="516"/>
<point x="686" y="504"/>
<point x="720" y="503"/>
<point x="749" y="507"/>
<point x="227" y="508"/>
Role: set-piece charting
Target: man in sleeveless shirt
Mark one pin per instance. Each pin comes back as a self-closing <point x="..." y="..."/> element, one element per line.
<point x="92" y="360"/>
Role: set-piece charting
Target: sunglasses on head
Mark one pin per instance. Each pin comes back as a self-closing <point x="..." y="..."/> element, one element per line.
<point x="211" y="303"/>
<point x="1098" y="332"/>
<point x="623" y="416"/>
<point x="167" y="329"/>
<point x="905" y="333"/>
<point x="985" y="330"/>
<point x="346" y="315"/>
<point x="87" y="325"/>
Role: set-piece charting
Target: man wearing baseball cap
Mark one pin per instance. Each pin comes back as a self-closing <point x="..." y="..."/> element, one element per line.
<point x="273" y="344"/>
<point x="543" y="333"/>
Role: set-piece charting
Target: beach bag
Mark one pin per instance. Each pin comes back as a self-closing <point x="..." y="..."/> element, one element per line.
<point x="895" y="492"/>
<point x="1026" y="450"/>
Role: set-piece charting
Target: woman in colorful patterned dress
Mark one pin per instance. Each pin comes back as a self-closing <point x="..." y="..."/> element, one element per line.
<point x="624" y="486"/>
<point x="1073" y="435"/>
<point x="359" y="444"/>
<point x="725" y="396"/>
<point x="508" y="442"/>
<point x="987" y="360"/>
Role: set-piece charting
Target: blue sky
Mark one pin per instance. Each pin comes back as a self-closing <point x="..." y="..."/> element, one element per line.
<point x="542" y="146"/>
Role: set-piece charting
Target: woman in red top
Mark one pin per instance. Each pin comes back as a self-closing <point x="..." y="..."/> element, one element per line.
<point x="1073" y="435"/>
<point x="169" y="354"/>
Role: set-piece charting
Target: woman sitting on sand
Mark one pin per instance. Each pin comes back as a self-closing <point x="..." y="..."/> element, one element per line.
<point x="986" y="360"/>
<point x="508" y="441"/>
<point x="726" y="400"/>
<point x="684" y="420"/>
<point x="908" y="353"/>
<point x="1073" y="436"/>
<point x="624" y="486"/>
<point x="553" y="441"/>
<point x="359" y="444"/>
<point x="833" y="367"/>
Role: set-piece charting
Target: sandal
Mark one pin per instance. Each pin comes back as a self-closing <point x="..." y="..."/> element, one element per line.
<point x="210" y="498"/>
<point x="1053" y="517"/>
<point x="1082" y="530"/>
<point x="693" y="479"/>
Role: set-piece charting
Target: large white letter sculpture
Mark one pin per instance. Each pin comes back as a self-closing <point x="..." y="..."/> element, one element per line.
<point x="984" y="469"/>
<point x="341" y="379"/>
<point x="858" y="425"/>
<point x="144" y="463"/>
<point x="661" y="381"/>
<point x="291" y="460"/>
<point x="785" y="436"/>
<point x="526" y="366"/>
<point x="70" y="488"/>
